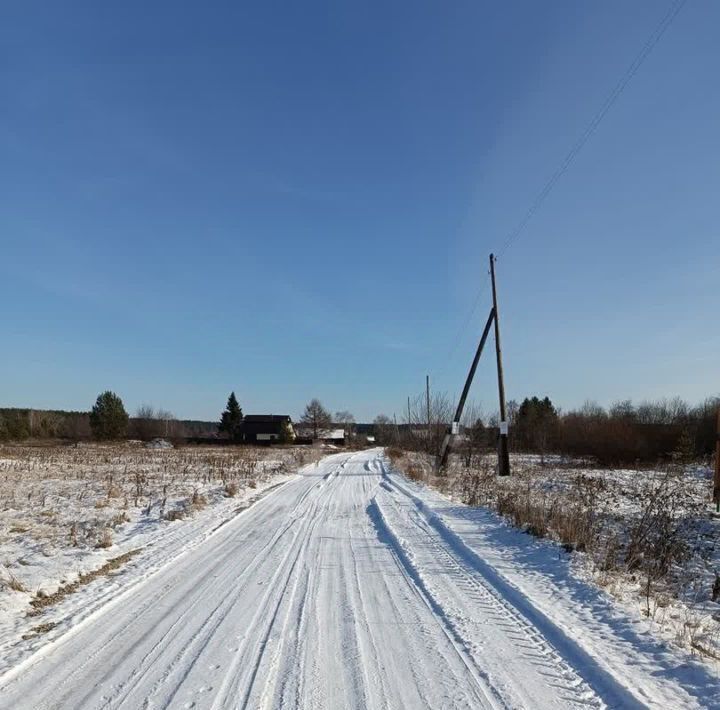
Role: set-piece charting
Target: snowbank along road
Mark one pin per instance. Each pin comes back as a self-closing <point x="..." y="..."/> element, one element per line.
<point x="349" y="587"/>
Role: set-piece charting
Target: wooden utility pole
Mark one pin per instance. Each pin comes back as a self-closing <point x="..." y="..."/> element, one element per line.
<point x="716" y="486"/>
<point x="503" y="455"/>
<point x="455" y="426"/>
<point x="427" y="403"/>
<point x="408" y="433"/>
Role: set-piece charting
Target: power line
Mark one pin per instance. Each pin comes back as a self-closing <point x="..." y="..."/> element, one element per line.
<point x="630" y="72"/>
<point x="466" y="322"/>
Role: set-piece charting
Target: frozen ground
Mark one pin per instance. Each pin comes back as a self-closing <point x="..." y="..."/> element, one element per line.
<point x="349" y="587"/>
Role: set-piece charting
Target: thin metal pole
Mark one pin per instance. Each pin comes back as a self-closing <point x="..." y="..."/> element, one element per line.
<point x="409" y="436"/>
<point x="503" y="455"/>
<point x="427" y="398"/>
<point x="427" y="403"/>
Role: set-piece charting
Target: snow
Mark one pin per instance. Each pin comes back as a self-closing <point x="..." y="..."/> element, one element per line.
<point x="159" y="444"/>
<point x="56" y="503"/>
<point x="680" y="608"/>
<point x="347" y="586"/>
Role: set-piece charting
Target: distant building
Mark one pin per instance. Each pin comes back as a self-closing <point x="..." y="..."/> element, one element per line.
<point x="267" y="428"/>
<point x="334" y="436"/>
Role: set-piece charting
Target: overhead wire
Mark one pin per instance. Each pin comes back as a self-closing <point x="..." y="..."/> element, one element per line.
<point x="590" y="129"/>
<point x="630" y="72"/>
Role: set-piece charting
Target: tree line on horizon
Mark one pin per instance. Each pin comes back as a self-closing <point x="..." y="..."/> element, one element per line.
<point x="622" y="434"/>
<point x="108" y="420"/>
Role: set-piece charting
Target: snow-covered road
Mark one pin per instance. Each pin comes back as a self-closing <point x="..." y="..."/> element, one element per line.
<point x="343" y="588"/>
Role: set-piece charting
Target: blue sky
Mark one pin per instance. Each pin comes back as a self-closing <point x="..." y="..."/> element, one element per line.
<point x="297" y="200"/>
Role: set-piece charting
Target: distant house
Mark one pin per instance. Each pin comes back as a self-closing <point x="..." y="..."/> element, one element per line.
<point x="334" y="436"/>
<point x="266" y="428"/>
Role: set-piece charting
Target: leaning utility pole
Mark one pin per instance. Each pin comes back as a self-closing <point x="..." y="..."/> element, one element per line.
<point x="455" y="426"/>
<point x="503" y="455"/>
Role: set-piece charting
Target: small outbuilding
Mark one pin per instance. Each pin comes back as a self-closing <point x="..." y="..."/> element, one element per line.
<point x="334" y="436"/>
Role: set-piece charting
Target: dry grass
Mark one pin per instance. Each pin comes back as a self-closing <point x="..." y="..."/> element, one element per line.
<point x="42" y="601"/>
<point x="198" y="500"/>
<point x="414" y="473"/>
<point x="175" y="514"/>
<point x="13" y="583"/>
<point x="39" y="630"/>
<point x="106" y="539"/>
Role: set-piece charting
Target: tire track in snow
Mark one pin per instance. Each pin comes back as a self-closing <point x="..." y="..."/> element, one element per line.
<point x="308" y="521"/>
<point x="487" y="693"/>
<point x="209" y="625"/>
<point x="104" y="601"/>
<point x="372" y="657"/>
<point x="558" y="651"/>
<point x="195" y="645"/>
<point x="524" y="637"/>
<point x="342" y="590"/>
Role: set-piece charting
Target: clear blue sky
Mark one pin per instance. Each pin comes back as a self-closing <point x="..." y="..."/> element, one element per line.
<point x="298" y="199"/>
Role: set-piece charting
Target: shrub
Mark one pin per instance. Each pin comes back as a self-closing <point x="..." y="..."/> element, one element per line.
<point x="106" y="539"/>
<point x="394" y="454"/>
<point x="12" y="582"/>
<point x="414" y="472"/>
<point x="199" y="501"/>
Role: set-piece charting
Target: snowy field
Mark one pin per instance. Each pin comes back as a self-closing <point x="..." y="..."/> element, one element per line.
<point x="349" y="586"/>
<point x="647" y="537"/>
<point x="66" y="512"/>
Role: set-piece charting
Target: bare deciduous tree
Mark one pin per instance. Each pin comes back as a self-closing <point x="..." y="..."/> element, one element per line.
<point x="150" y="423"/>
<point x="384" y="430"/>
<point x="316" y="417"/>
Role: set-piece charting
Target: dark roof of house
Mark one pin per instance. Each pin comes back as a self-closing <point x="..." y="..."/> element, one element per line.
<point x="265" y="423"/>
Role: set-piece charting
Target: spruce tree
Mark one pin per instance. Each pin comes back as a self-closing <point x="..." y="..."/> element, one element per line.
<point x="685" y="447"/>
<point x="108" y="418"/>
<point x="231" y="419"/>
